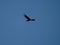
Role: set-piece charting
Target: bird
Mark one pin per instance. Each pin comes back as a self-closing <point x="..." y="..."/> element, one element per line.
<point x="28" y="18"/>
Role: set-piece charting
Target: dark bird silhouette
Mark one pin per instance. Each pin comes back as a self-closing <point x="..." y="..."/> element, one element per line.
<point x="28" y="19"/>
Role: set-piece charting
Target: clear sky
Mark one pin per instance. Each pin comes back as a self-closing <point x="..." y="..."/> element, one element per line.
<point x="15" y="30"/>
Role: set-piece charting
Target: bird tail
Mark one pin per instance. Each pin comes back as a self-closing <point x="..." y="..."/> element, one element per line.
<point x="32" y="19"/>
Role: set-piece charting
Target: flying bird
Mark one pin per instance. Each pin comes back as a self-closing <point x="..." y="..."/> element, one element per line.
<point x="28" y="18"/>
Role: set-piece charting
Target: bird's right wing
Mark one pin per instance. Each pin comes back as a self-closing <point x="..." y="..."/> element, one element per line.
<point x="27" y="17"/>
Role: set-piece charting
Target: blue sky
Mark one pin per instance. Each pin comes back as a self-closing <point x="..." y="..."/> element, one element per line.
<point x="15" y="30"/>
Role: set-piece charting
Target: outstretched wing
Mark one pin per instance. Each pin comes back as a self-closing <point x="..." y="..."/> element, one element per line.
<point x="27" y="17"/>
